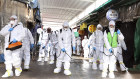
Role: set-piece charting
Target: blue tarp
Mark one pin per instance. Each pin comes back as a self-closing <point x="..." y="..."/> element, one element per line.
<point x="37" y="16"/>
<point x="34" y="4"/>
<point x="2" y="58"/>
<point x="34" y="30"/>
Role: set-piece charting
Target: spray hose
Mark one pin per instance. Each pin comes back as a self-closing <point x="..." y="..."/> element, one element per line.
<point x="116" y="58"/>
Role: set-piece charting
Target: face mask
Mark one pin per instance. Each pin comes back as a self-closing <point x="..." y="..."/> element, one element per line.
<point x="111" y="29"/>
<point x="12" y="22"/>
<point x="98" y="30"/>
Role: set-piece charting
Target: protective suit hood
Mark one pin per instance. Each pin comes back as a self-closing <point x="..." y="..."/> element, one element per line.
<point x="112" y="23"/>
<point x="14" y="20"/>
<point x="13" y="17"/>
<point x="65" y="25"/>
<point x="85" y="37"/>
<point x="99" y="26"/>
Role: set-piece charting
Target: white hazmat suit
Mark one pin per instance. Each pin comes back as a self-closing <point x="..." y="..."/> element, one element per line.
<point x="98" y="47"/>
<point x="109" y="51"/>
<point x="25" y="51"/>
<point x="90" y="46"/>
<point x="78" y="45"/>
<point x="121" y="44"/>
<point x="43" y="41"/>
<point x="85" y="47"/>
<point x="12" y="58"/>
<point x="54" y="46"/>
<point x="66" y="40"/>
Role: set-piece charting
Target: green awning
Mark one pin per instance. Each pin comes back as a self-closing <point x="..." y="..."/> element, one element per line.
<point x="110" y="3"/>
<point x="101" y="6"/>
<point x="96" y="10"/>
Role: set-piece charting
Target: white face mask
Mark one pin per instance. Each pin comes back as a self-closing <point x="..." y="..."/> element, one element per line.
<point x="111" y="29"/>
<point x="12" y="22"/>
<point x="98" y="30"/>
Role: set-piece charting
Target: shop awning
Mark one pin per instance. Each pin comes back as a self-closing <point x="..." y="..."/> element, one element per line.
<point x="23" y="1"/>
<point x="104" y="7"/>
<point x="93" y="14"/>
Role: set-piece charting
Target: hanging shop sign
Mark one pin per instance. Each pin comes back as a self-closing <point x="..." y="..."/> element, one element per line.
<point x="91" y="28"/>
<point x="81" y="32"/>
<point x="112" y="15"/>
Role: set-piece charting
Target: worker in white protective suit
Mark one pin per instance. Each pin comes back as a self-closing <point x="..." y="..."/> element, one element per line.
<point x="90" y="46"/>
<point x="111" y="37"/>
<point x="66" y="40"/>
<point x="54" y="46"/>
<point x="13" y="32"/>
<point x="73" y="51"/>
<point x="49" y="45"/>
<point x="98" y="47"/>
<point x="28" y="43"/>
<point x="85" y="47"/>
<point x="43" y="41"/>
<point x="121" y="45"/>
<point x="78" y="45"/>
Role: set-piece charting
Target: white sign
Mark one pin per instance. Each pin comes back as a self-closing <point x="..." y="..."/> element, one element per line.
<point x="112" y="15"/>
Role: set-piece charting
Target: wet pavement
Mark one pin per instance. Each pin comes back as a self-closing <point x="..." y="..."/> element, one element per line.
<point x="80" y="68"/>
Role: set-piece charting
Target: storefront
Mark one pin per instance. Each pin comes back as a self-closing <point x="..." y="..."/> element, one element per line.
<point x="129" y="13"/>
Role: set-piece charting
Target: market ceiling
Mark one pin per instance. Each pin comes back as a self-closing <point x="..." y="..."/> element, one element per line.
<point x="55" y="12"/>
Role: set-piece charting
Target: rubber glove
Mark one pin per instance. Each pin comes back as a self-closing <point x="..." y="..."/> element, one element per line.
<point x="14" y="41"/>
<point x="43" y="47"/>
<point x="110" y="50"/>
<point x="94" y="48"/>
<point x="11" y="29"/>
<point x="88" y="46"/>
<point x="63" y="50"/>
<point x="74" y="48"/>
<point x="118" y="32"/>
<point x="32" y="46"/>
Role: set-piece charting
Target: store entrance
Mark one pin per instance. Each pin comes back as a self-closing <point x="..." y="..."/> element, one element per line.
<point x="128" y="30"/>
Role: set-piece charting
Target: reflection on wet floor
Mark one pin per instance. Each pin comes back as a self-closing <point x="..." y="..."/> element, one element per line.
<point x="80" y="68"/>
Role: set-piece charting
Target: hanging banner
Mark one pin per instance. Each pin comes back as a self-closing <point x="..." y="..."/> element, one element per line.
<point x="76" y="34"/>
<point x="91" y="28"/>
<point x="112" y="15"/>
<point x="83" y="25"/>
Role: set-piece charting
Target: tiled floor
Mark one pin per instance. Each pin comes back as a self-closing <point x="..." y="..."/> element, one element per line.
<point x="80" y="68"/>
